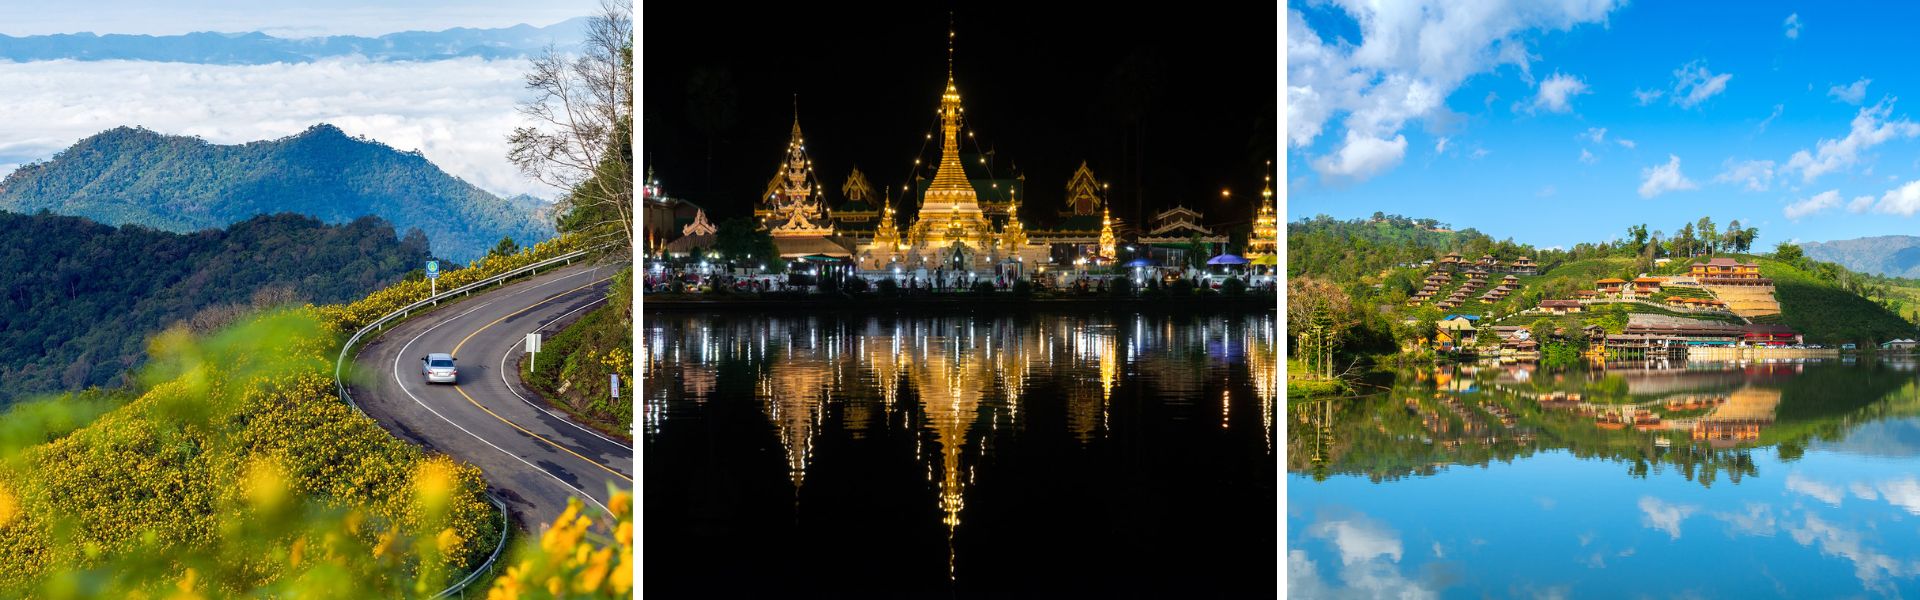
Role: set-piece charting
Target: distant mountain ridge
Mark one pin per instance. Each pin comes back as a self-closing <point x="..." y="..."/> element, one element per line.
<point x="255" y="48"/>
<point x="1888" y="255"/>
<point x="183" y="184"/>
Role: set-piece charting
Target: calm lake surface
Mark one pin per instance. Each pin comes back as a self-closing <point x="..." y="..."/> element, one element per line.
<point x="1756" y="480"/>
<point x="1031" y="455"/>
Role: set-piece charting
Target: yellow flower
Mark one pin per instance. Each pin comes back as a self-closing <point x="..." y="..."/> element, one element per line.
<point x="9" y="507"/>
<point x="448" y="540"/>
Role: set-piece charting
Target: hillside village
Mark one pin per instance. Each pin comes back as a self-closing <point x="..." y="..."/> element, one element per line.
<point x="1717" y="302"/>
<point x="1416" y="287"/>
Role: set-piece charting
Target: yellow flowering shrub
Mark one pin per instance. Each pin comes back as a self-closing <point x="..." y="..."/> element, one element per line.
<point x="237" y="471"/>
<point x="573" y="559"/>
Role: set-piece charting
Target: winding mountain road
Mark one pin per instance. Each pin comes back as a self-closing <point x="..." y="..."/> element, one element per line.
<point x="533" y="457"/>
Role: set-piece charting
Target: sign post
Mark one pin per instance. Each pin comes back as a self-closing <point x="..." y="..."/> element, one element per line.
<point x="533" y="347"/>
<point x="616" y="385"/>
<point x="433" y="278"/>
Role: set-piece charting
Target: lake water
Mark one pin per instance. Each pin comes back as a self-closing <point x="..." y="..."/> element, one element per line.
<point x="1031" y="455"/>
<point x="1757" y="480"/>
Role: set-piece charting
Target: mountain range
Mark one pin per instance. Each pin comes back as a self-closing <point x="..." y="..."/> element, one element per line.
<point x="1888" y="255"/>
<point x="255" y="48"/>
<point x="129" y="175"/>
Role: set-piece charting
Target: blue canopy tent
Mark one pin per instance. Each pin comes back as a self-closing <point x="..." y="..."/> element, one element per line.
<point x="1226" y="259"/>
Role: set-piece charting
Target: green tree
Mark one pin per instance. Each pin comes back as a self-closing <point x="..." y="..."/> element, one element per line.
<point x="504" y="248"/>
<point x="1541" y="329"/>
<point x="1788" y="252"/>
<point x="1708" y="239"/>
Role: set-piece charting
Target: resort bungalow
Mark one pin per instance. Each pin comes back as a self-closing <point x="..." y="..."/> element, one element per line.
<point x="1849" y="346"/>
<point x="1512" y="332"/>
<point x="1449" y="262"/>
<point x="1610" y="286"/>
<point x="1727" y="271"/>
<point x="1524" y="266"/>
<point x="1487" y="260"/>
<point x="1456" y="331"/>
<point x="1476" y="273"/>
<point x="1647" y="286"/>
<point x="1585" y="294"/>
<point x="1560" y="307"/>
<point x="1899" y="345"/>
<point x="1510" y="281"/>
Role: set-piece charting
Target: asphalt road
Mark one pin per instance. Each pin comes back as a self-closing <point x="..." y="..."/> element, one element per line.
<point x="533" y="457"/>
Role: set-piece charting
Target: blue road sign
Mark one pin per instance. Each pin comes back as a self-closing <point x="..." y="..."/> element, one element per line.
<point x="433" y="269"/>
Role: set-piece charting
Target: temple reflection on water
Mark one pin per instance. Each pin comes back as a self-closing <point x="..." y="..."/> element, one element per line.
<point x="959" y="385"/>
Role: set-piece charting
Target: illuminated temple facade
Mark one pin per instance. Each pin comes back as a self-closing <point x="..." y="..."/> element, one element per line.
<point x="952" y="231"/>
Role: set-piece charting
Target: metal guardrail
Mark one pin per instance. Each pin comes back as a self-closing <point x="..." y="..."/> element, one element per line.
<point x="429" y="303"/>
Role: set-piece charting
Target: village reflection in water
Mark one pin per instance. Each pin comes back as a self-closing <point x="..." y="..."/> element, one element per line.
<point x="959" y="386"/>
<point x="1567" y="479"/>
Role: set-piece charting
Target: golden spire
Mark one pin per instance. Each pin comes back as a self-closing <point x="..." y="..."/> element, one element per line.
<point x="949" y="175"/>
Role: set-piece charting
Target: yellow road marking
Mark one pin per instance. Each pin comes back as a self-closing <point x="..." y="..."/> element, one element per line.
<point x="463" y="341"/>
<point x="463" y="394"/>
<point x="476" y="403"/>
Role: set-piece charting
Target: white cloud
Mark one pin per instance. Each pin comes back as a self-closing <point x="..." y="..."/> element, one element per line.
<point x="1359" y="539"/>
<point x="1371" y="579"/>
<point x="1362" y="157"/>
<point x="1480" y="153"/>
<point x="456" y="112"/>
<point x="1440" y="147"/>
<point x="1693" y="84"/>
<point x="1792" y="24"/>
<point x="1410" y="58"/>
<point x="1860" y="204"/>
<point x="1587" y="157"/>
<point x="1663" y="516"/>
<point x="1757" y="175"/>
<point x="1777" y="109"/>
<point x="1665" y="178"/>
<point x="1645" y="97"/>
<point x="1597" y="134"/>
<point x="1628" y="144"/>
<point x="1758" y="520"/>
<point x="1851" y="93"/>
<point x="1860" y="489"/>
<point x="1904" y="493"/>
<point x="1796" y="482"/>
<point x="1557" y="92"/>
<point x="1870" y="128"/>
<point x="1903" y="200"/>
<point x="1869" y="565"/>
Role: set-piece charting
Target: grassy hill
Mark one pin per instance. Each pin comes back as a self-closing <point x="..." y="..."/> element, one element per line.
<point x="1827" y="312"/>
<point x="185" y="184"/>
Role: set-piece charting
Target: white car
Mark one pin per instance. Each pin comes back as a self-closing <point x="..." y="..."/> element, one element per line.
<point x="438" y="368"/>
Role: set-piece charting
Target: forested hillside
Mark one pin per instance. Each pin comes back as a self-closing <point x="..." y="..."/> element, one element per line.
<point x="183" y="184"/>
<point x="81" y="299"/>
<point x="1887" y="255"/>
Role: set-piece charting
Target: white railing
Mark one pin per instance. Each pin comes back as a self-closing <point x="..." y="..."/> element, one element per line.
<point x="429" y="303"/>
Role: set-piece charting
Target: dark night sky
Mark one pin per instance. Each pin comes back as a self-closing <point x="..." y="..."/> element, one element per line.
<point x="1043" y="90"/>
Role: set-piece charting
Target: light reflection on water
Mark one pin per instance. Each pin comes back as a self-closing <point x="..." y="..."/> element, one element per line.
<point x="1789" y="479"/>
<point x="976" y="403"/>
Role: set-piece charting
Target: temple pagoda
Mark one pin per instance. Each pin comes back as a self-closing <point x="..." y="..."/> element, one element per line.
<point x="951" y="230"/>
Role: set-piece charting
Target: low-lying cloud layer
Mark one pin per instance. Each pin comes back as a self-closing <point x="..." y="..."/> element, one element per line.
<point x="456" y="112"/>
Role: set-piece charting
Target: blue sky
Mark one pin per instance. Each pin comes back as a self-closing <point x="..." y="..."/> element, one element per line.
<point x="1560" y="122"/>
<point x="283" y="18"/>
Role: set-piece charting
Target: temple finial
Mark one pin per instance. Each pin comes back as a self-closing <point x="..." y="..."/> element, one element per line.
<point x="950" y="34"/>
